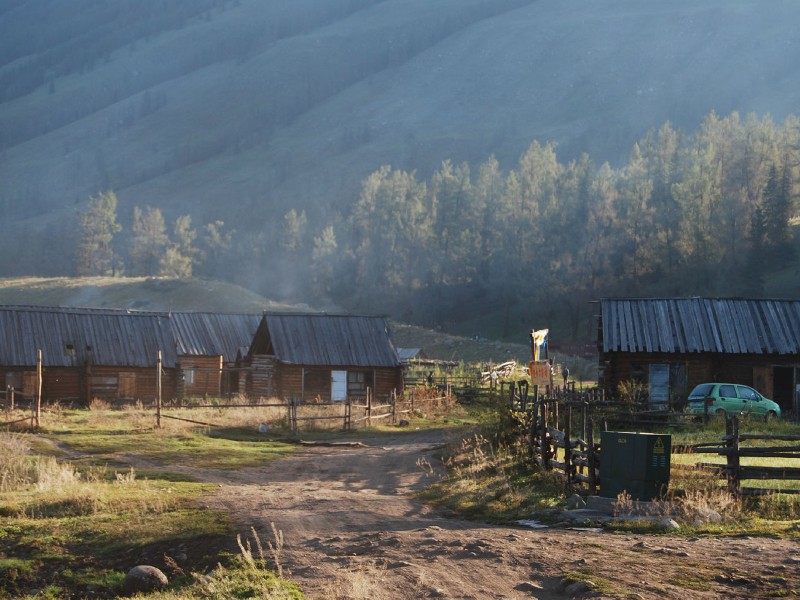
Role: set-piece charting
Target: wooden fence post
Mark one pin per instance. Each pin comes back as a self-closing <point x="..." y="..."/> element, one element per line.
<point x="369" y="409"/>
<point x="158" y="390"/>
<point x="591" y="458"/>
<point x="545" y="446"/>
<point x="38" y="406"/>
<point x="733" y="441"/>
<point x="348" y="412"/>
<point x="568" y="446"/>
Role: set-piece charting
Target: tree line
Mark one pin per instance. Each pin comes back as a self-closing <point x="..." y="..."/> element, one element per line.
<point x="707" y="213"/>
<point x="150" y="249"/>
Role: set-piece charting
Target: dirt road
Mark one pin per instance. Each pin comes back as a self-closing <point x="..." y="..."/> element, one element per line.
<point x="352" y="529"/>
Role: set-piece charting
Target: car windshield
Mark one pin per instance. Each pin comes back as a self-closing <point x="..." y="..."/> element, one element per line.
<point x="702" y="390"/>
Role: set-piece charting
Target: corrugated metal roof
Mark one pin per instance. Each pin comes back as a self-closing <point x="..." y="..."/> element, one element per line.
<point x="331" y="340"/>
<point x="71" y="337"/>
<point x="686" y="325"/>
<point x="210" y="334"/>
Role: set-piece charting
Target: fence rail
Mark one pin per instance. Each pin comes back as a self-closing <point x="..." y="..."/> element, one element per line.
<point x="13" y="401"/>
<point x="735" y="473"/>
<point x="351" y="413"/>
<point x="560" y="435"/>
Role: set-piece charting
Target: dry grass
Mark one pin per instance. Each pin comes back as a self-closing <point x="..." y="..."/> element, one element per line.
<point x="20" y="469"/>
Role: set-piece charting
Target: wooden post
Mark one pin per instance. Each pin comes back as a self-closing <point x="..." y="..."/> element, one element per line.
<point x="591" y="459"/>
<point x="393" y="401"/>
<point x="13" y="395"/>
<point x="158" y="389"/>
<point x="584" y="430"/>
<point x="568" y="446"/>
<point x="545" y="447"/>
<point x="369" y="408"/>
<point x="732" y="428"/>
<point x="38" y="414"/>
<point x="348" y="411"/>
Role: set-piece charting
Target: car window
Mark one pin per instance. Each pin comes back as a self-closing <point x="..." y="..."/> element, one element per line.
<point x="704" y="389"/>
<point x="747" y="393"/>
<point x="727" y="391"/>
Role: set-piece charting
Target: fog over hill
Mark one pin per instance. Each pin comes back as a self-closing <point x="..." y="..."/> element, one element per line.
<point x="239" y="110"/>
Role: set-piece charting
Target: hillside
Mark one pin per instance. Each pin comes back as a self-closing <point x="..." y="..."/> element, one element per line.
<point x="241" y="110"/>
<point x="138" y="293"/>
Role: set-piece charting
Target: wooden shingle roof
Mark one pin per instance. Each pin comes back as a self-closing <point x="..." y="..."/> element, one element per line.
<point x="687" y="325"/>
<point x="70" y="337"/>
<point x="212" y="334"/>
<point x="326" y="340"/>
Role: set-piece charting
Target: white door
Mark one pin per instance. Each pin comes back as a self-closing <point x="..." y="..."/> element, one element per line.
<point x="338" y="386"/>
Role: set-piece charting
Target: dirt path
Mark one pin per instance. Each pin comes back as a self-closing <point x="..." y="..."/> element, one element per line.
<point x="353" y="530"/>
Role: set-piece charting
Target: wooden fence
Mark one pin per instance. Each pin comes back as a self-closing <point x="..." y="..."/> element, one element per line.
<point x="561" y="437"/>
<point x="14" y="402"/>
<point x="734" y="472"/>
<point x="351" y="414"/>
<point x="560" y="432"/>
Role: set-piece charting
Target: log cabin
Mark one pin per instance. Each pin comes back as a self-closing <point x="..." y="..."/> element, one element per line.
<point x="671" y="345"/>
<point x="323" y="357"/>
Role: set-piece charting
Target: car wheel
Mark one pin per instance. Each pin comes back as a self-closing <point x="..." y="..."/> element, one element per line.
<point x="720" y="412"/>
<point x="770" y="416"/>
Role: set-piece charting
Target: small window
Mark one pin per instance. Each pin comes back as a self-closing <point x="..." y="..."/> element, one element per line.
<point x="727" y="391"/>
<point x="69" y="349"/>
<point x="358" y="382"/>
<point x="188" y="376"/>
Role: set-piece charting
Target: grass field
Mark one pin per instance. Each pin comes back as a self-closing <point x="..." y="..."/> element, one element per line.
<point x="77" y="515"/>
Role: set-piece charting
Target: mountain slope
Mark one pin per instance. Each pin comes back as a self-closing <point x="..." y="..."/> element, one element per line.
<point x="241" y="110"/>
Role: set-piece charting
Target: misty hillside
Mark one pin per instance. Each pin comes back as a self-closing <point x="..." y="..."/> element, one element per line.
<point x="239" y="110"/>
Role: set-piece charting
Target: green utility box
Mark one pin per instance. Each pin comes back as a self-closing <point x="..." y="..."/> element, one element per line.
<point x="635" y="463"/>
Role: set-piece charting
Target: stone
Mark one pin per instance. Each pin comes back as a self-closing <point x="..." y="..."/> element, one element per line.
<point x="669" y="524"/>
<point x="528" y="586"/>
<point x="144" y="578"/>
<point x="704" y="516"/>
<point x="575" y="501"/>
<point x="579" y="587"/>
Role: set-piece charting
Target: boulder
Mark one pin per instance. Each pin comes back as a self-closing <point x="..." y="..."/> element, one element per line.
<point x="144" y="578"/>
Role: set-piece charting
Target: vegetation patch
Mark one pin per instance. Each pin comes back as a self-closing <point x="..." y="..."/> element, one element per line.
<point x="494" y="484"/>
<point x="72" y="532"/>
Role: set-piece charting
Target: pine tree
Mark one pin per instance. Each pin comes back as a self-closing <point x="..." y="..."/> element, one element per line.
<point x="149" y="240"/>
<point x="181" y="254"/>
<point x="98" y="226"/>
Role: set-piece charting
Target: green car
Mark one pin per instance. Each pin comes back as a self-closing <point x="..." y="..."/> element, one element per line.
<point x="731" y="398"/>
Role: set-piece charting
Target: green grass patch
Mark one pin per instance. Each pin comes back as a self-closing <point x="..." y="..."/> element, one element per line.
<point x="106" y="437"/>
<point x="87" y="537"/>
<point x="75" y="531"/>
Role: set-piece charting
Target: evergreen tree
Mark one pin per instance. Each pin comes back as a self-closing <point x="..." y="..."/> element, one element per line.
<point x="776" y="211"/>
<point x="149" y="240"/>
<point x="98" y="226"/>
<point x="180" y="257"/>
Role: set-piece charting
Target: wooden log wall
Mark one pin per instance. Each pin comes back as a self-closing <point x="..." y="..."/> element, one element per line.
<point x="264" y="378"/>
<point x="207" y="376"/>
